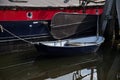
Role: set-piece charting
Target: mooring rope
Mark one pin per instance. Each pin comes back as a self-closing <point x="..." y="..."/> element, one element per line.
<point x="2" y="28"/>
<point x="70" y="24"/>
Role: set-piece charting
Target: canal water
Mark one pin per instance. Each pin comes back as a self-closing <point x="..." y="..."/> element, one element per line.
<point x="29" y="65"/>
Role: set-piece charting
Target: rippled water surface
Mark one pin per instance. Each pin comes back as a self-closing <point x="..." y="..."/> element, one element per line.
<point x="29" y="65"/>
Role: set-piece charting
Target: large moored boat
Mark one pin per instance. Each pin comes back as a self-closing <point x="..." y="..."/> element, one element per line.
<point x="32" y="18"/>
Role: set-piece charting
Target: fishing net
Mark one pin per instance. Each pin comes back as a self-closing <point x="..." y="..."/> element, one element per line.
<point x="64" y="25"/>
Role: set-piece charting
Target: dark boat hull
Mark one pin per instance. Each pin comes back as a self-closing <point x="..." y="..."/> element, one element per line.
<point x="47" y="50"/>
<point x="24" y="29"/>
<point x="70" y="46"/>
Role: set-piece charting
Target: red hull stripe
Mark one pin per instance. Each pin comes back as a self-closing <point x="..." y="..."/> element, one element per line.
<point x="21" y="15"/>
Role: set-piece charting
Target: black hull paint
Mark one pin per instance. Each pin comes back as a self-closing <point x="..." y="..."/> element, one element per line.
<point x="23" y="29"/>
<point x="57" y="51"/>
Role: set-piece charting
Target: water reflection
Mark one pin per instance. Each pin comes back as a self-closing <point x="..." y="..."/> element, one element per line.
<point x="30" y="66"/>
<point x="110" y="65"/>
<point x="84" y="74"/>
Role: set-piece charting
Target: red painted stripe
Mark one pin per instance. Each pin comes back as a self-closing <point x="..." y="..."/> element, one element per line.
<point x="20" y="15"/>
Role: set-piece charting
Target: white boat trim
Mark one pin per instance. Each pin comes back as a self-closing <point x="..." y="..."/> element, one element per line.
<point x="80" y="42"/>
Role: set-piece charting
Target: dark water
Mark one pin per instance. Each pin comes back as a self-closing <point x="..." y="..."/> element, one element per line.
<point x="103" y="65"/>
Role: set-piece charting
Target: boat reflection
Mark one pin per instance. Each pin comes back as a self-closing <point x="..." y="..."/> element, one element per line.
<point x="84" y="74"/>
<point x="45" y="68"/>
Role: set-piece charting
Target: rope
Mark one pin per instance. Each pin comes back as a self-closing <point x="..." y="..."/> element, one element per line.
<point x="70" y="24"/>
<point x="2" y="28"/>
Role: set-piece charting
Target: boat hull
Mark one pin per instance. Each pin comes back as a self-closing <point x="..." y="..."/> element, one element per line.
<point x="47" y="50"/>
<point x="31" y="21"/>
<point x="74" y="46"/>
<point x="24" y="29"/>
<point x="33" y="13"/>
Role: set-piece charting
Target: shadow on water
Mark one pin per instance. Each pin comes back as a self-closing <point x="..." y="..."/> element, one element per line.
<point x="109" y="68"/>
<point x="104" y="65"/>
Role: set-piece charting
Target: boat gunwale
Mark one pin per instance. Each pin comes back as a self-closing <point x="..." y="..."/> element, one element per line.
<point x="83" y="44"/>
